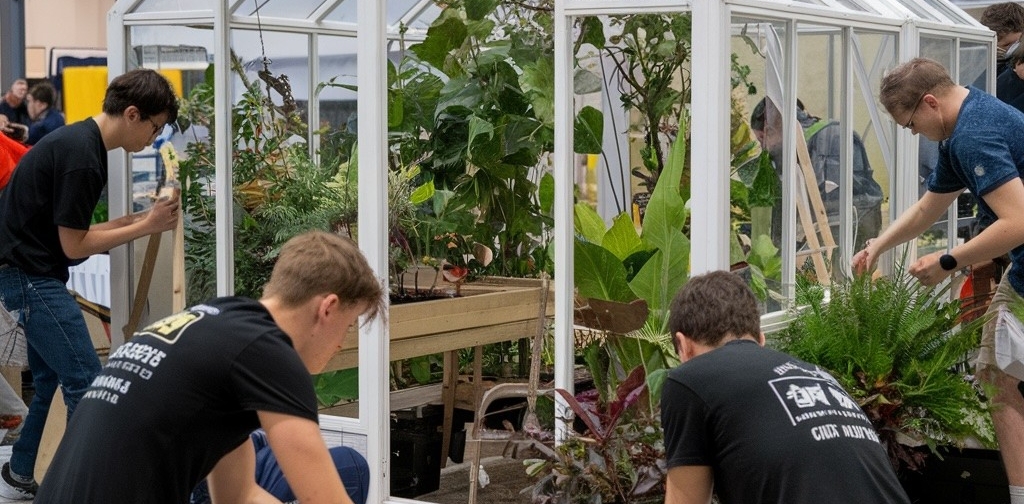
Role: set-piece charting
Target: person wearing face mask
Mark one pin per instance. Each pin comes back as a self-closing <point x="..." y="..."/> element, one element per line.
<point x="1007" y="20"/>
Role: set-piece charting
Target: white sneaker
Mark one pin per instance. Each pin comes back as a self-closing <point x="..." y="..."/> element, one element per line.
<point x="13" y="489"/>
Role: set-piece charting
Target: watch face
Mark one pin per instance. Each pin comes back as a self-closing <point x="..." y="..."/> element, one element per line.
<point x="947" y="262"/>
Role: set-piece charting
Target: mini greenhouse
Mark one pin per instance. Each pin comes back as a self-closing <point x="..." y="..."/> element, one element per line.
<point x="634" y="89"/>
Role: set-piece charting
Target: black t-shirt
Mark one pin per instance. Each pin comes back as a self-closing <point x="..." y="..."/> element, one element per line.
<point x="173" y="401"/>
<point x="774" y="429"/>
<point x="56" y="183"/>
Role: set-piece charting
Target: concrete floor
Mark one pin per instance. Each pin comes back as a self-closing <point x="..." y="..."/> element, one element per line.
<point x="507" y="480"/>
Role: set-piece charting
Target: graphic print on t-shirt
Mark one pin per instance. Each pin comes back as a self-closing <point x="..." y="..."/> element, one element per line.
<point x="819" y="397"/>
<point x="168" y="329"/>
<point x="138" y="359"/>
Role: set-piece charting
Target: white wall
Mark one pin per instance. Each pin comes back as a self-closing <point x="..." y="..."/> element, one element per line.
<point x="64" y="24"/>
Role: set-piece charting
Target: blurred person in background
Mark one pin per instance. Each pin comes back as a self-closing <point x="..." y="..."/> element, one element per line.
<point x="13" y="109"/>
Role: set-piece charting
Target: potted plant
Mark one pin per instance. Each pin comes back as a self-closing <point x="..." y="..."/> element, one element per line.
<point x="619" y="456"/>
<point x="900" y="349"/>
<point x="624" y="275"/>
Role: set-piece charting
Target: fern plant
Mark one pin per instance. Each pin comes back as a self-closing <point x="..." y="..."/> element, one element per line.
<point x="900" y="349"/>
<point x="279" y="190"/>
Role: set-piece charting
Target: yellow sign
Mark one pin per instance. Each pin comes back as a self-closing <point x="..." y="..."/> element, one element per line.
<point x="85" y="86"/>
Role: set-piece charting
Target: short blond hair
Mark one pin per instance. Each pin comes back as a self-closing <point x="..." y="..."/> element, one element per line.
<point x="316" y="263"/>
<point x="903" y="87"/>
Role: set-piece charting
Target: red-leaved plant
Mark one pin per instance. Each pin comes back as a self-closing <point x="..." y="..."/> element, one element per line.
<point x="619" y="456"/>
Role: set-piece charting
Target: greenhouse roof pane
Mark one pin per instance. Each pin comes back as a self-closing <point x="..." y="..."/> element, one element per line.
<point x="419" y="14"/>
<point x="949" y="11"/>
<point x="919" y="11"/>
<point x="345" y="12"/>
<point x="849" y="4"/>
<point x="298" y="9"/>
<point x="876" y="7"/>
<point x="937" y="11"/>
<point x="173" y="5"/>
<point x="426" y="18"/>
<point x="416" y="13"/>
<point x="397" y="9"/>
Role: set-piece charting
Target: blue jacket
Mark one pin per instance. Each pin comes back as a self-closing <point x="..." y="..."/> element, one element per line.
<point x="51" y="120"/>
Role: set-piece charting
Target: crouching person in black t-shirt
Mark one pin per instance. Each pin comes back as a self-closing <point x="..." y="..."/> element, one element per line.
<point x="177" y="402"/>
<point x="756" y="425"/>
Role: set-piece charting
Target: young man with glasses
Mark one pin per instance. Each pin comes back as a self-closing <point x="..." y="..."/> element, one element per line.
<point x="46" y="226"/>
<point x="981" y="149"/>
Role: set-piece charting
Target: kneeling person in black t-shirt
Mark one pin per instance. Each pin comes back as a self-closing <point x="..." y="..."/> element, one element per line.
<point x="177" y="402"/>
<point x="756" y="425"/>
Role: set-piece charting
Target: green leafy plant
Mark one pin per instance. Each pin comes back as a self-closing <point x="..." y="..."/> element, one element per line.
<point x="472" y="103"/>
<point x="899" y="349"/>
<point x="651" y="53"/>
<point x="616" y="459"/>
<point x="765" y="267"/>
<point x="278" y="190"/>
<point x="651" y="56"/>
<point x="620" y="265"/>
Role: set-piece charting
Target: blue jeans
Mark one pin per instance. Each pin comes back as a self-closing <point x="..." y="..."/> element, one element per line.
<point x="60" y="352"/>
<point x="351" y="466"/>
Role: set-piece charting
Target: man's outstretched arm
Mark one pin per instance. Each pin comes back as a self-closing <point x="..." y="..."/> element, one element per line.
<point x="909" y="225"/>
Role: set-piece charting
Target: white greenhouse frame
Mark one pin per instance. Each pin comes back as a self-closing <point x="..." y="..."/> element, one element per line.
<point x="907" y="20"/>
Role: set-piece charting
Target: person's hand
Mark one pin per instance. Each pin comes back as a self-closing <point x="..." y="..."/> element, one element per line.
<point x="928" y="270"/>
<point x="164" y="215"/>
<point x="864" y="261"/>
<point x="16" y="131"/>
<point x="1019" y="70"/>
<point x="5" y="124"/>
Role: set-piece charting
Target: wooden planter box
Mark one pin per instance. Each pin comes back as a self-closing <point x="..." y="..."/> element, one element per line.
<point x="490" y="310"/>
